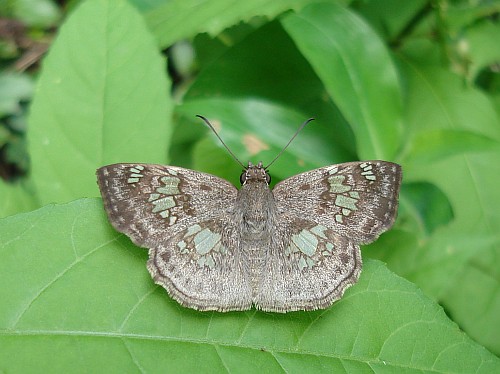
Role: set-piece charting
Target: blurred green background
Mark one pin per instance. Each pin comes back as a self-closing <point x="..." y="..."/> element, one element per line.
<point x="413" y="82"/>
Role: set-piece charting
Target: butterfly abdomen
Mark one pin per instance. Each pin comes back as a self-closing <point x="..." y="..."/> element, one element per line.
<point x="256" y="216"/>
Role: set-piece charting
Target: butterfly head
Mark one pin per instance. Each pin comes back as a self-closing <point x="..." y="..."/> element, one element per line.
<point x="255" y="173"/>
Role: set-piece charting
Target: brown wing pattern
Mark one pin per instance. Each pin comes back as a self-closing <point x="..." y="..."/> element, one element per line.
<point x="147" y="201"/>
<point x="307" y="267"/>
<point x="357" y="200"/>
<point x="202" y="268"/>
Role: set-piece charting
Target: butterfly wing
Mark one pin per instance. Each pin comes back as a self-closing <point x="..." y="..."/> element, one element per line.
<point x="145" y="201"/>
<point x="307" y="267"/>
<point x="322" y="217"/>
<point x="357" y="200"/>
<point x="201" y="267"/>
<point x="182" y="216"/>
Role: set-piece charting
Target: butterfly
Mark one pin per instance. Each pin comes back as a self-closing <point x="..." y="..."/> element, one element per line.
<point x="214" y="247"/>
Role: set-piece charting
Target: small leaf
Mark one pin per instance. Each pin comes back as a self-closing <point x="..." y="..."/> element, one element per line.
<point x="482" y="41"/>
<point x="459" y="16"/>
<point x="80" y="299"/>
<point x="36" y="13"/>
<point x="428" y="204"/>
<point x="14" y="88"/>
<point x="102" y="98"/>
<point x="357" y="71"/>
<point x="15" y="198"/>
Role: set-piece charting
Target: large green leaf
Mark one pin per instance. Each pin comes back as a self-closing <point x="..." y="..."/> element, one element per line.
<point x="80" y="299"/>
<point x="102" y="98"/>
<point x="357" y="71"/>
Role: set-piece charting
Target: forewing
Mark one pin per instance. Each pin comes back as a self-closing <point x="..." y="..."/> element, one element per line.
<point x="357" y="200"/>
<point x="145" y="201"/>
<point x="308" y="266"/>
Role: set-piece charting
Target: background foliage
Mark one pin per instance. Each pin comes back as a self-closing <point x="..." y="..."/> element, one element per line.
<point x="412" y="82"/>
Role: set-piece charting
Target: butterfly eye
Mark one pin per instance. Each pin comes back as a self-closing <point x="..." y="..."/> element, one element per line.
<point x="268" y="178"/>
<point x="243" y="177"/>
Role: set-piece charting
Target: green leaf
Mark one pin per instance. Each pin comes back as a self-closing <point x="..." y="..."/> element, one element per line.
<point x="256" y="130"/>
<point x="435" y="145"/>
<point x="429" y="205"/>
<point x="14" y="88"/>
<point x="181" y="19"/>
<point x="102" y="98"/>
<point x="287" y="80"/>
<point x="357" y="71"/>
<point x="482" y="42"/>
<point x="36" y="13"/>
<point x="461" y="14"/>
<point x="468" y="248"/>
<point x="4" y="135"/>
<point x="219" y="163"/>
<point x="80" y="299"/>
<point x="390" y="17"/>
<point x="15" y="198"/>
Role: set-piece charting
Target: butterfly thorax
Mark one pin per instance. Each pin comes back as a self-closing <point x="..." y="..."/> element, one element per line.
<point x="256" y="204"/>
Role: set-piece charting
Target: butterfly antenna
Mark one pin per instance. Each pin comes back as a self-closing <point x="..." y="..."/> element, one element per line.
<point x="287" y="144"/>
<point x="224" y="144"/>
